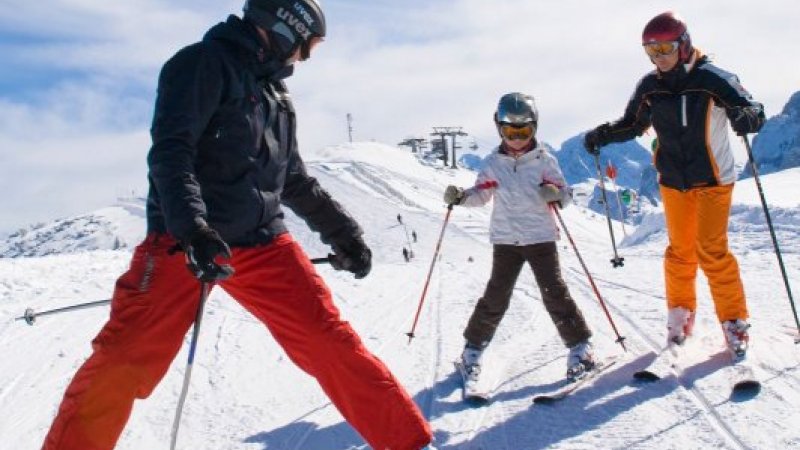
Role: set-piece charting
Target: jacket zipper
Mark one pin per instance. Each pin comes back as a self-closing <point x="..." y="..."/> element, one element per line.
<point x="683" y="111"/>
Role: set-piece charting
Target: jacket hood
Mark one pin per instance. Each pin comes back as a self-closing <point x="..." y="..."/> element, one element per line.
<point x="251" y="48"/>
<point x="676" y="78"/>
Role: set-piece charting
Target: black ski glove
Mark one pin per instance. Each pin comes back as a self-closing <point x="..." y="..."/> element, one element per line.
<point x="352" y="255"/>
<point x="202" y="248"/>
<point x="597" y="138"/>
<point x="748" y="119"/>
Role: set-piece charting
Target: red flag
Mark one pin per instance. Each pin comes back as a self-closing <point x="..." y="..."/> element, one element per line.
<point x="611" y="171"/>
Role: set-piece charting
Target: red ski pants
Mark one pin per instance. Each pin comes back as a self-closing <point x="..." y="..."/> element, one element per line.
<point x="697" y="225"/>
<point x="153" y="307"/>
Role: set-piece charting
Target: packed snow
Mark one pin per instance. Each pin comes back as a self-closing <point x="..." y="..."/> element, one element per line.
<point x="246" y="394"/>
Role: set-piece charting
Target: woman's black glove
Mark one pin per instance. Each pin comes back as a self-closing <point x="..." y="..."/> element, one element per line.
<point x="747" y="120"/>
<point x="597" y="138"/>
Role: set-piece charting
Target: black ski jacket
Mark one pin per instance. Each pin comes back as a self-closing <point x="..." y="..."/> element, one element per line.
<point x="224" y="146"/>
<point x="689" y="108"/>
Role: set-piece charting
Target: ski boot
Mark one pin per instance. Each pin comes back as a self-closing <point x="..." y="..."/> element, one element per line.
<point x="471" y="363"/>
<point x="580" y="360"/>
<point x="680" y="322"/>
<point x="736" y="337"/>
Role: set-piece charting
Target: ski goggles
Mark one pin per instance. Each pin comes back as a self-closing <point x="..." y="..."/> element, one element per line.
<point x="654" y="49"/>
<point x="516" y="132"/>
<point x="307" y="46"/>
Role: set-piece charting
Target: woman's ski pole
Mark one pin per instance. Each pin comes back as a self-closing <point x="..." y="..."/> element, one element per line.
<point x="620" y="339"/>
<point x="611" y="172"/>
<point x="616" y="261"/>
<point x="772" y="234"/>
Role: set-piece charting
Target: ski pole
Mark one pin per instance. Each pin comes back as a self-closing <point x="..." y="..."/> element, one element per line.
<point x="616" y="261"/>
<point x="620" y="339"/>
<point x="205" y="288"/>
<point x="621" y="211"/>
<point x="198" y="318"/>
<point x="410" y="334"/>
<point x="30" y="315"/>
<point x="611" y="172"/>
<point x="489" y="184"/>
<point x="772" y="233"/>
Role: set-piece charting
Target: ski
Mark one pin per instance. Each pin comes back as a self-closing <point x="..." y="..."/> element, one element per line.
<point x="743" y="380"/>
<point x="662" y="366"/>
<point x="471" y="391"/>
<point x="573" y="386"/>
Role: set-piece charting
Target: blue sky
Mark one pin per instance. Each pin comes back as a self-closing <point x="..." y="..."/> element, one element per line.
<point x="78" y="76"/>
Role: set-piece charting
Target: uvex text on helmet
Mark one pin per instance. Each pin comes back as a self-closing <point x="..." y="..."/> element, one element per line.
<point x="667" y="27"/>
<point x="516" y="109"/>
<point x="290" y="24"/>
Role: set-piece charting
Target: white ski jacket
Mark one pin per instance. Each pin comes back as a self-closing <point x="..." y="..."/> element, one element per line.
<point x="520" y="215"/>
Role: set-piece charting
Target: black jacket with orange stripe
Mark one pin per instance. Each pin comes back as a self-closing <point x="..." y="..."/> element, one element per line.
<point x="689" y="108"/>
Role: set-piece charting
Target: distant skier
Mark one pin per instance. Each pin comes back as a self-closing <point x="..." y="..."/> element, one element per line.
<point x="405" y="254"/>
<point x="689" y="102"/>
<point x="524" y="180"/>
<point x="414" y="236"/>
<point x="224" y="157"/>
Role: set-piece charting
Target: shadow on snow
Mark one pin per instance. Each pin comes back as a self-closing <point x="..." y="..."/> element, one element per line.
<point x="538" y="427"/>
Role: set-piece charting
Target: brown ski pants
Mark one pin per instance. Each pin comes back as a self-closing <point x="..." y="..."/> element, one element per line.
<point x="506" y="265"/>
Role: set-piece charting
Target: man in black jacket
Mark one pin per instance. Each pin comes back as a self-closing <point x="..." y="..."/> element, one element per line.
<point x="689" y="102"/>
<point x="224" y="158"/>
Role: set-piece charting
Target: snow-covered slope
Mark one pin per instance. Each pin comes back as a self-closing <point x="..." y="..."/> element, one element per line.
<point x="777" y="146"/>
<point x="112" y="228"/>
<point x="246" y="394"/>
<point x="629" y="158"/>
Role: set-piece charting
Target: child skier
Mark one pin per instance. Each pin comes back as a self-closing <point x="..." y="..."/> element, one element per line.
<point x="525" y="181"/>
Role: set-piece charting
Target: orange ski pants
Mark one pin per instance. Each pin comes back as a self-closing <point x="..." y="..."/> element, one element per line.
<point x="697" y="225"/>
<point x="154" y="306"/>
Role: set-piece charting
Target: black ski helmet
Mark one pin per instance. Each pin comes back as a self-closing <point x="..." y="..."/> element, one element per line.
<point x="290" y="24"/>
<point x="516" y="108"/>
<point x="666" y="27"/>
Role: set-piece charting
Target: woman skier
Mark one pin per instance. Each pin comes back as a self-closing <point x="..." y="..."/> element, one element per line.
<point x="689" y="102"/>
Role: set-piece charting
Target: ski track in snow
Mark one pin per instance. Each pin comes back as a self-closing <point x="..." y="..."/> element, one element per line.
<point x="724" y="429"/>
<point x="719" y="424"/>
<point x="246" y="394"/>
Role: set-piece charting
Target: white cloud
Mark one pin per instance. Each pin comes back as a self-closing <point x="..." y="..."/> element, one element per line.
<point x="399" y="67"/>
<point x="44" y="179"/>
